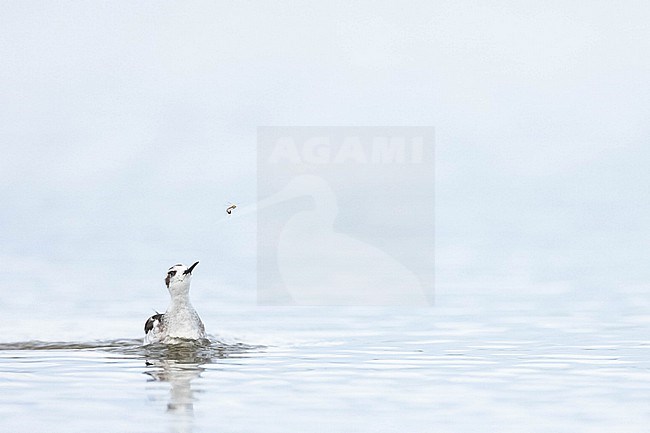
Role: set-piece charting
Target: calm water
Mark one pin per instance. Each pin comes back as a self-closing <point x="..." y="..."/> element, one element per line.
<point x="469" y="364"/>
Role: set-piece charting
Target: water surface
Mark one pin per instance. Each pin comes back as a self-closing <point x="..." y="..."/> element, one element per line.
<point x="465" y="365"/>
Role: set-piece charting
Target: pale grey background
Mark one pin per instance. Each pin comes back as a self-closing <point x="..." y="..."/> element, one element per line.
<point x="345" y="216"/>
<point x="126" y="127"/>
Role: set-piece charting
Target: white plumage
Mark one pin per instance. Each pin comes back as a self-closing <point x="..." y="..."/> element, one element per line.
<point x="181" y="321"/>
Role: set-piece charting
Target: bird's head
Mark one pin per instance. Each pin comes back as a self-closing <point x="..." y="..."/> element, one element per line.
<point x="178" y="279"/>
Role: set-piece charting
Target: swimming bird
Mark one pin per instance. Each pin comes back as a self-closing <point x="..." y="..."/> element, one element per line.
<point x="181" y="321"/>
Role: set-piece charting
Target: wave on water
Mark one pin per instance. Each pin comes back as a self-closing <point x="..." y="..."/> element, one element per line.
<point x="189" y="351"/>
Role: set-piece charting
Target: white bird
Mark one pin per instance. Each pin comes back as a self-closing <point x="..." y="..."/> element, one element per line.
<point x="180" y="322"/>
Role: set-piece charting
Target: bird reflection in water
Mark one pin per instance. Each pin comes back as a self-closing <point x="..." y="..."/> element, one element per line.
<point x="179" y="365"/>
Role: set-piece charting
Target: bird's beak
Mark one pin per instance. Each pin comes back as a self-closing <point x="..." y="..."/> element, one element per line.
<point x="189" y="270"/>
